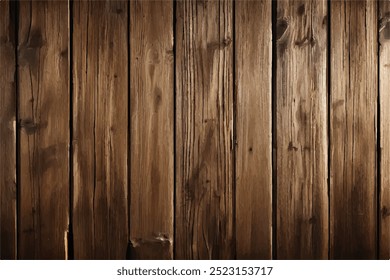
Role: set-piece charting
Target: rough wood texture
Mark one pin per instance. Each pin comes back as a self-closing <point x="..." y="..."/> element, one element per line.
<point x="301" y="122"/>
<point x="254" y="129"/>
<point x="384" y="86"/>
<point x="7" y="132"/>
<point x="353" y="62"/>
<point x="44" y="129"/>
<point x="204" y="130"/>
<point x="152" y="129"/>
<point x="100" y="129"/>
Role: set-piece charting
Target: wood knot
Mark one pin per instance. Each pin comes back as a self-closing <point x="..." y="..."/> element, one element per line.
<point x="385" y="212"/>
<point x="227" y="41"/>
<point x="291" y="147"/>
<point x="281" y="27"/>
<point x="29" y="126"/>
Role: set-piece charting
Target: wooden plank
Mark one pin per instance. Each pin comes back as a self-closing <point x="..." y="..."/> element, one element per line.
<point x="254" y="129"/>
<point x="301" y="130"/>
<point x="384" y="85"/>
<point x="353" y="61"/>
<point x="204" y="130"/>
<point x="7" y="132"/>
<point x="152" y="129"/>
<point x="44" y="129"/>
<point x="100" y="129"/>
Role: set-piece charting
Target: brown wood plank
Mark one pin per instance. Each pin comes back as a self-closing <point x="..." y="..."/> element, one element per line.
<point x="254" y="129"/>
<point x="7" y="132"/>
<point x="152" y="129"/>
<point x="100" y="129"/>
<point x="353" y="61"/>
<point x="384" y="86"/>
<point x="301" y="130"/>
<point x="44" y="129"/>
<point x="204" y="130"/>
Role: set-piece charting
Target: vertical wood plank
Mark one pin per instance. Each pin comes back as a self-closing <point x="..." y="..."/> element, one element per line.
<point x="384" y="85"/>
<point x="152" y="129"/>
<point x="7" y="132"/>
<point x="44" y="129"/>
<point x="353" y="129"/>
<point x="254" y="129"/>
<point x="204" y="130"/>
<point x="301" y="123"/>
<point x="100" y="129"/>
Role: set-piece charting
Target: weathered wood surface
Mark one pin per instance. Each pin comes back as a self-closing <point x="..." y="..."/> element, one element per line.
<point x="204" y="130"/>
<point x="44" y="129"/>
<point x="7" y="132"/>
<point x="100" y="129"/>
<point x="384" y="86"/>
<point x="254" y="129"/>
<point x="152" y="129"/>
<point x="301" y="130"/>
<point x="353" y="131"/>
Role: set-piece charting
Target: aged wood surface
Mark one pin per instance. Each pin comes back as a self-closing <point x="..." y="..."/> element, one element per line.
<point x="204" y="130"/>
<point x="254" y="129"/>
<point x="384" y="86"/>
<point x="44" y="129"/>
<point x="301" y="123"/>
<point x="7" y="132"/>
<point x="100" y="129"/>
<point x="152" y="129"/>
<point x="353" y="120"/>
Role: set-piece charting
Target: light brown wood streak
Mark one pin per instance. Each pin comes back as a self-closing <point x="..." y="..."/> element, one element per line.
<point x="44" y="129"/>
<point x="301" y="122"/>
<point x="152" y="129"/>
<point x="7" y="133"/>
<point x="254" y="130"/>
<point x="353" y="129"/>
<point x="100" y="134"/>
<point x="204" y="130"/>
<point x="384" y="86"/>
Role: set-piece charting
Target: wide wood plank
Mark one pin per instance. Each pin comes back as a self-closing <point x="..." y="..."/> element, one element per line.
<point x="152" y="129"/>
<point x="100" y="129"/>
<point x="301" y="130"/>
<point x="204" y="130"/>
<point x="353" y="118"/>
<point x="7" y="132"/>
<point x="254" y="129"/>
<point x="384" y="86"/>
<point x="44" y="129"/>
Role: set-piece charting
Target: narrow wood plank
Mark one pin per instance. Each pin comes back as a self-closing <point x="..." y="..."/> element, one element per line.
<point x="301" y="123"/>
<point x="44" y="129"/>
<point x="254" y="129"/>
<point x="100" y="129"/>
<point x="204" y="130"/>
<point x="384" y="86"/>
<point x="7" y="132"/>
<point x="353" y="62"/>
<point x="152" y="129"/>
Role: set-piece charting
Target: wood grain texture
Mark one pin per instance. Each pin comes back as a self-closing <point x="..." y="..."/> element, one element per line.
<point x="384" y="86"/>
<point x="353" y="118"/>
<point x="204" y="130"/>
<point x="100" y="129"/>
<point x="7" y="132"/>
<point x="301" y="123"/>
<point x="254" y="129"/>
<point x="44" y="129"/>
<point x="152" y="129"/>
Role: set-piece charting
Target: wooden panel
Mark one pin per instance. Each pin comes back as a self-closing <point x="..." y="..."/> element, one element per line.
<point x="7" y="132"/>
<point x="384" y="84"/>
<point x="44" y="129"/>
<point x="301" y="123"/>
<point x="204" y="147"/>
<point x="254" y="129"/>
<point x="100" y="129"/>
<point x="152" y="129"/>
<point x="353" y="129"/>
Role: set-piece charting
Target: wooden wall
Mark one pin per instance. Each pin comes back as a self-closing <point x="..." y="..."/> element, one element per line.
<point x="195" y="129"/>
